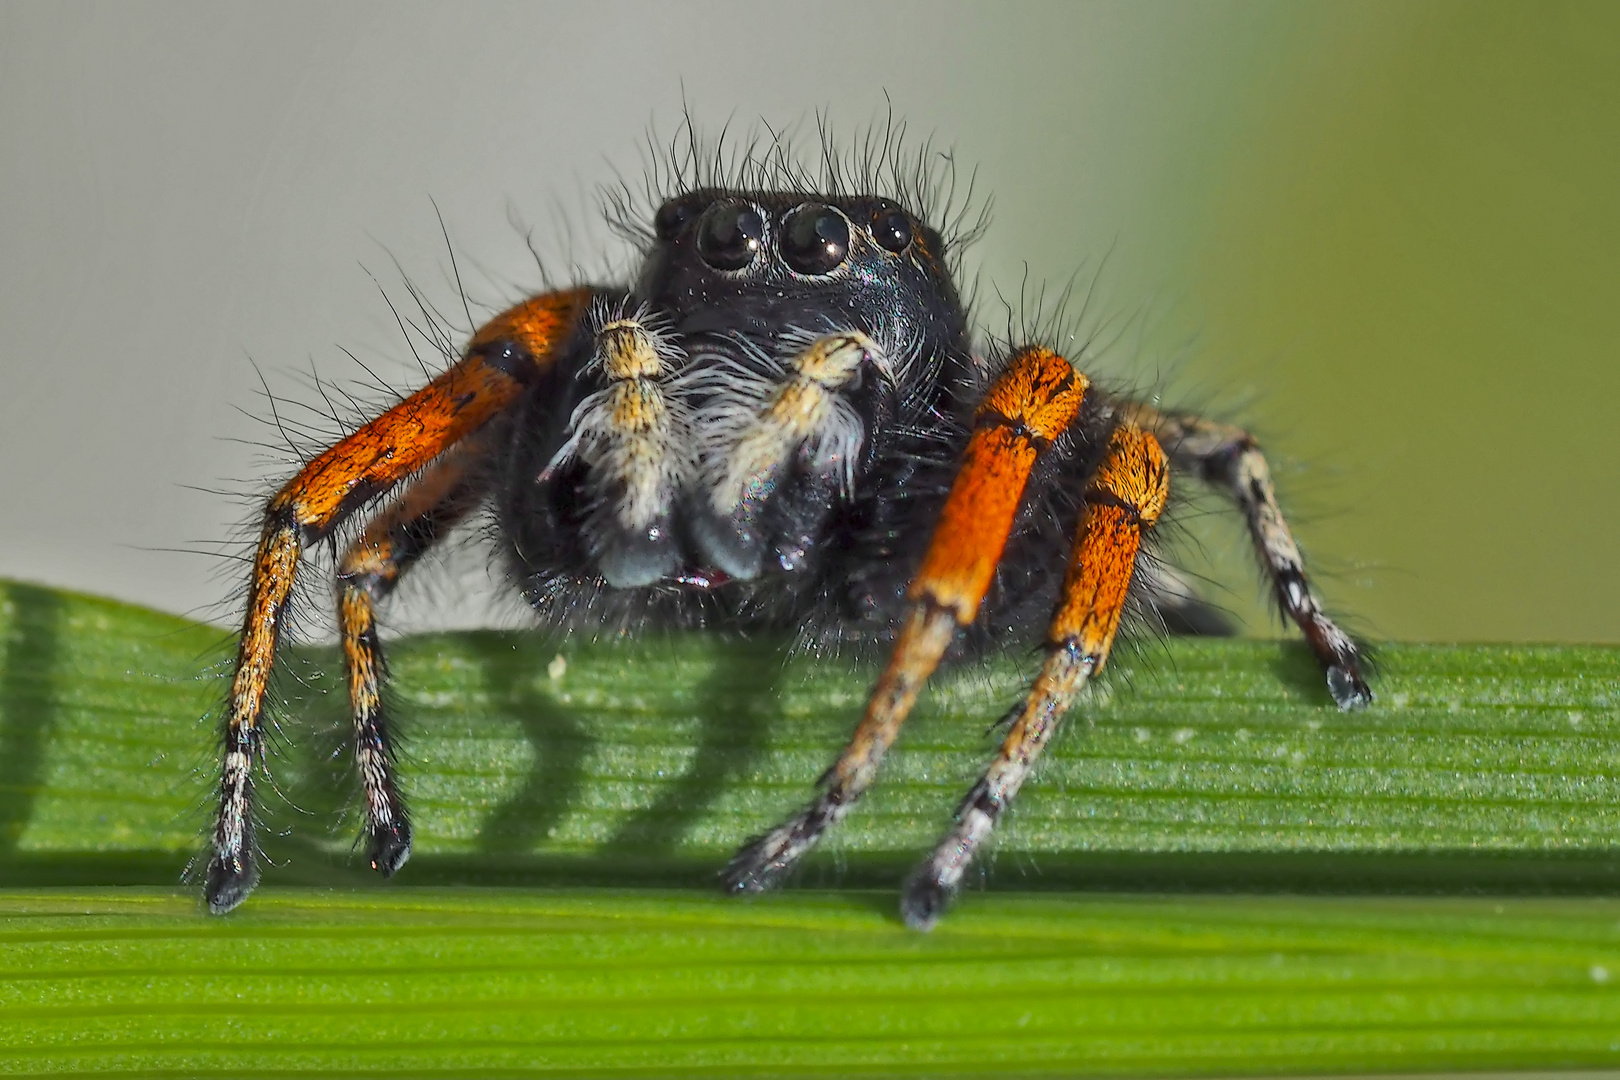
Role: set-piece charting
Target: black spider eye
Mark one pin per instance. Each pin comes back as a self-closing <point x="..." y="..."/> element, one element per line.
<point x="815" y="239"/>
<point x="671" y="219"/>
<point x="891" y="229"/>
<point x="730" y="236"/>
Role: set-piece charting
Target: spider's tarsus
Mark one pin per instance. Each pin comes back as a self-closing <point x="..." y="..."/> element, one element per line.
<point x="762" y="863"/>
<point x="229" y="882"/>
<point x="752" y="870"/>
<point x="1348" y="688"/>
<point x="923" y="901"/>
<point x="390" y="848"/>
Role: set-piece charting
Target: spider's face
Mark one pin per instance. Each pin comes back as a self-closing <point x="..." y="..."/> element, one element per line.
<point x="758" y="264"/>
<point x="775" y="345"/>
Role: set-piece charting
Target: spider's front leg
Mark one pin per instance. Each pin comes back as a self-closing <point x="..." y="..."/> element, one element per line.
<point x="1123" y="502"/>
<point x="1229" y="458"/>
<point x="503" y="356"/>
<point x="1032" y="403"/>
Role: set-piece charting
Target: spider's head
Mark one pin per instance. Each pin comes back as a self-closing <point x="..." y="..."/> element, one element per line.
<point x="760" y="263"/>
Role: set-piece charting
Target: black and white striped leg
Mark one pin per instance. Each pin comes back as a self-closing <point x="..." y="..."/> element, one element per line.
<point x="936" y="880"/>
<point x="370" y="569"/>
<point x="1227" y="457"/>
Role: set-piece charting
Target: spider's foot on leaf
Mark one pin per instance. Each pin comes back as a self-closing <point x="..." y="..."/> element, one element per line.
<point x="1348" y="688"/>
<point x="762" y="863"/>
<point x="390" y="847"/>
<point x="923" y="900"/>
<point x="230" y="879"/>
<point x="758" y="866"/>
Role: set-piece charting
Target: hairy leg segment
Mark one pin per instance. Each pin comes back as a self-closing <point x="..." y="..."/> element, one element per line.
<point x="1228" y="457"/>
<point x="503" y="356"/>
<point x="370" y="569"/>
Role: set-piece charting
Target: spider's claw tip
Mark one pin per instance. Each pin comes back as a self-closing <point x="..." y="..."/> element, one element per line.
<point x="923" y="902"/>
<point x="230" y="879"/>
<point x="1348" y="688"/>
<point x="762" y="863"/>
<point x="750" y="871"/>
<point x="390" y="848"/>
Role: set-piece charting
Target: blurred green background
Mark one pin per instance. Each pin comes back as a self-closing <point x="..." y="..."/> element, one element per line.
<point x="1384" y="235"/>
<point x="1414" y="251"/>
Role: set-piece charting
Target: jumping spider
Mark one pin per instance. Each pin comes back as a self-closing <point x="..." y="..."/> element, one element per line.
<point x="783" y="423"/>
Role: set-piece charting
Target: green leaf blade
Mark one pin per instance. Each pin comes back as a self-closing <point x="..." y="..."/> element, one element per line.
<point x="421" y="981"/>
<point x="560" y="915"/>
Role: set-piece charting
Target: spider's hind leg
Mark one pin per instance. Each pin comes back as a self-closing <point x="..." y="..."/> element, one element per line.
<point x="370" y="570"/>
<point x="1123" y="501"/>
<point x="1229" y="458"/>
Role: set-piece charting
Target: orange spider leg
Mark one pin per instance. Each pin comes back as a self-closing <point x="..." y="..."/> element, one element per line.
<point x="1124" y="500"/>
<point x="503" y="355"/>
<point x="1029" y="406"/>
<point x="431" y="505"/>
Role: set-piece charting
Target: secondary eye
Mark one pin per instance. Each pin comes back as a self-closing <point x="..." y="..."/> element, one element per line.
<point x="891" y="229"/>
<point x="815" y="239"/>
<point x="671" y="218"/>
<point x="730" y="236"/>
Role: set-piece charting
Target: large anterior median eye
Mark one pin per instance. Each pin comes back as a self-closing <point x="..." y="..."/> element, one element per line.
<point x="815" y="239"/>
<point x="730" y="235"/>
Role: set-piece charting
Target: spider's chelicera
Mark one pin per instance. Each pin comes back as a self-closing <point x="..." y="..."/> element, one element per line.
<point x="782" y="424"/>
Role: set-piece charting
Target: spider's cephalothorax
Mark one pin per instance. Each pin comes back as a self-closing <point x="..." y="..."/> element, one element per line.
<point x="724" y="435"/>
<point x="782" y="423"/>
